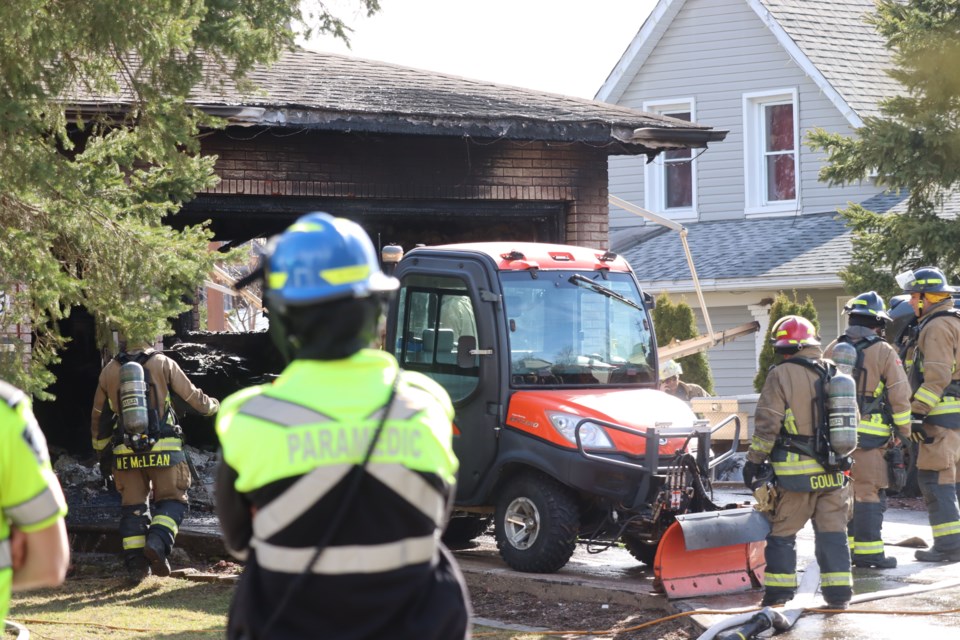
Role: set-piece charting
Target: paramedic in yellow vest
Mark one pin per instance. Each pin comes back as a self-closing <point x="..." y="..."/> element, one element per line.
<point x="784" y="430"/>
<point x="148" y="532"/>
<point x="337" y="479"/>
<point x="932" y="365"/>
<point x="34" y="551"/>
<point x="883" y="396"/>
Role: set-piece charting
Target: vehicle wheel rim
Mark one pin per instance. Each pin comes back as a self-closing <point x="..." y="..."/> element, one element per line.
<point x="521" y="523"/>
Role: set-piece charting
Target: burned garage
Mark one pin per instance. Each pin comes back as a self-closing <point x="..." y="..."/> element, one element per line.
<point x="415" y="157"/>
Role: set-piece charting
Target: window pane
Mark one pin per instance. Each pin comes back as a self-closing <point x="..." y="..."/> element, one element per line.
<point x="779" y="127"/>
<point x="678" y="174"/>
<point x="781" y="181"/>
<point x="679" y="185"/>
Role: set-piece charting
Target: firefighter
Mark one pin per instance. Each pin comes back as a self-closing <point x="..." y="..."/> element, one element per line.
<point x="670" y="372"/>
<point x="932" y="359"/>
<point x="34" y="551"/>
<point x="160" y="464"/>
<point x="337" y="479"/>
<point x="883" y="397"/>
<point x="788" y="416"/>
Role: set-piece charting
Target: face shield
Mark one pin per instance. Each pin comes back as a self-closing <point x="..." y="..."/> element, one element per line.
<point x="905" y="278"/>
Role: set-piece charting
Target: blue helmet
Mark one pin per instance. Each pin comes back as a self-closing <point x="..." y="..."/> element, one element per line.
<point x="320" y="258"/>
<point x="924" y="280"/>
<point x="868" y="304"/>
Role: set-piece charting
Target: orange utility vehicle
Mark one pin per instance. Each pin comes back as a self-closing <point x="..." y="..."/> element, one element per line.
<point x="549" y="355"/>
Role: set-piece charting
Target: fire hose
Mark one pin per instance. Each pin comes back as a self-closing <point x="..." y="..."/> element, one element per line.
<point x="744" y="626"/>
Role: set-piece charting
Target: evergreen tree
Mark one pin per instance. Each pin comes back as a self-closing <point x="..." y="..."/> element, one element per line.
<point x="782" y="306"/>
<point x="84" y="193"/>
<point x="913" y="145"/>
<point x="677" y="322"/>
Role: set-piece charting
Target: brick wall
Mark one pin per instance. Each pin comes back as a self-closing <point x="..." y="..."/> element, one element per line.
<point x="337" y="165"/>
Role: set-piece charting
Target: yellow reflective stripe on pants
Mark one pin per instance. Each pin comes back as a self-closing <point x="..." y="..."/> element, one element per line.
<point x="871" y="548"/>
<point x="134" y="542"/>
<point x="371" y="558"/>
<point x="166" y="522"/>
<point x="840" y="579"/>
<point x="294" y="502"/>
<point x="6" y="555"/>
<point x="946" y="529"/>
<point x="786" y="580"/>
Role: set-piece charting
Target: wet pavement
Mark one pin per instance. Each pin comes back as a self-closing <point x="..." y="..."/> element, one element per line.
<point x="614" y="576"/>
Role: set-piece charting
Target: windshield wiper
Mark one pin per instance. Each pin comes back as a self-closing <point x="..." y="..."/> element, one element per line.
<point x="581" y="280"/>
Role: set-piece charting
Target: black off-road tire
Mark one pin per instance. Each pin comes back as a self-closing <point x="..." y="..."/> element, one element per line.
<point x="641" y="550"/>
<point x="460" y="531"/>
<point x="536" y="523"/>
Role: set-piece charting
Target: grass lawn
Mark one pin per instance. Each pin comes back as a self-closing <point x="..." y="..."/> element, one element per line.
<point x="96" y="605"/>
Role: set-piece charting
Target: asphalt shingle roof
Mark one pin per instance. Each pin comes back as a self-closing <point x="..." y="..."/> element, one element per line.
<point x="849" y="53"/>
<point x="310" y="89"/>
<point x="739" y="249"/>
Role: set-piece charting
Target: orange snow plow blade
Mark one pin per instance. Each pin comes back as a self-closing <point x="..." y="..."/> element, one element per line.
<point x="711" y="553"/>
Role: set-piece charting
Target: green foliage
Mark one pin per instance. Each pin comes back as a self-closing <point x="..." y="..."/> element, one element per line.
<point x="85" y="193"/>
<point x="782" y="306"/>
<point x="913" y="145"/>
<point x="677" y="322"/>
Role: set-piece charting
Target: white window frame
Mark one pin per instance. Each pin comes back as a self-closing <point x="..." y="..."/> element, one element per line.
<point x="753" y="152"/>
<point x="654" y="193"/>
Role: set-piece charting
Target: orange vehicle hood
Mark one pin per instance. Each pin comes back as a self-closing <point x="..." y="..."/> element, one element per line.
<point x="634" y="408"/>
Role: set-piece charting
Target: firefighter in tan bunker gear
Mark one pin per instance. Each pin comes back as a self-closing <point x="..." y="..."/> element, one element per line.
<point x="933" y="366"/>
<point x="784" y="433"/>
<point x="883" y="397"/>
<point x="670" y="382"/>
<point x="147" y="533"/>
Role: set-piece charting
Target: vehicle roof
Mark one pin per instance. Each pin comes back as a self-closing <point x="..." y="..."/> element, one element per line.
<point x="520" y="256"/>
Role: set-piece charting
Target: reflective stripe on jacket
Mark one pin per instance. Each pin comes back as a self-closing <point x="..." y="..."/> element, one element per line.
<point x="935" y="357"/>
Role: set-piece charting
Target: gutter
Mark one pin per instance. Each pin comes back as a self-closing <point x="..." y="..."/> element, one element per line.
<point x="667" y="138"/>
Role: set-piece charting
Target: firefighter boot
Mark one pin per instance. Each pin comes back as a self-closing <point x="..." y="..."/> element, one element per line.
<point x="156" y="552"/>
<point x="138" y="569"/>
<point x="932" y="555"/>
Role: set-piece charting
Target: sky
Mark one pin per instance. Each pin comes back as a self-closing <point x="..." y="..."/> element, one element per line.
<point x="561" y="46"/>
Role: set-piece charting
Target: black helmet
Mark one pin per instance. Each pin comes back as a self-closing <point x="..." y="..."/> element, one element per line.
<point x="924" y="280"/>
<point x="868" y="304"/>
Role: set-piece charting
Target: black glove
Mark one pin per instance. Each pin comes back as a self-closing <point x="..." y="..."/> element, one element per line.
<point x="750" y="470"/>
<point x="917" y="433"/>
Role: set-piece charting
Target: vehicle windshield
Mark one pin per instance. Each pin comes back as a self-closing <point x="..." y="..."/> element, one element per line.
<point x="570" y="328"/>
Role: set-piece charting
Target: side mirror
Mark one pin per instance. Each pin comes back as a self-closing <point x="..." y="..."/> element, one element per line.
<point x="465" y="345"/>
<point x="649" y="301"/>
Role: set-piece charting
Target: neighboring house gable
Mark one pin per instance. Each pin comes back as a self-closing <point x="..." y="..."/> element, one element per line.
<point x="768" y="71"/>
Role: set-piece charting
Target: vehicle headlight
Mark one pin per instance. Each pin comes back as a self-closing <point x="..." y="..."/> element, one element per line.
<point x="592" y="435"/>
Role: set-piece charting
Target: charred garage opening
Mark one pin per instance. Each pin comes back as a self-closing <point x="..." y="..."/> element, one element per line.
<point x="415" y="157"/>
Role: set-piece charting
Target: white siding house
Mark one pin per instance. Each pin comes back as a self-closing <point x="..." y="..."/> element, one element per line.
<point x="758" y="219"/>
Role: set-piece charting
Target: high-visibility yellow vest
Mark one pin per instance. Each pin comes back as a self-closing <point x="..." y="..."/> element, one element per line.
<point x="30" y="494"/>
<point x="317" y="419"/>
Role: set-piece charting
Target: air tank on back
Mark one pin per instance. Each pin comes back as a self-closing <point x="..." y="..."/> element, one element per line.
<point x="133" y="399"/>
<point x="842" y="416"/>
